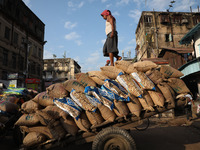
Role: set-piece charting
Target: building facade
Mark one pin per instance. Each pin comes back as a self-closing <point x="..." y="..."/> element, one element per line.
<point x="21" y="42"/>
<point x="158" y="30"/>
<point x="59" y="70"/>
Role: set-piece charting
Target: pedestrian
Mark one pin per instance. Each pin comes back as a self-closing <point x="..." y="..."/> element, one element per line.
<point x="110" y="48"/>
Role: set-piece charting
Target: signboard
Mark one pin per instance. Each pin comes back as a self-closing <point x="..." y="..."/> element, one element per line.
<point x="13" y="83"/>
<point x="15" y="76"/>
<point x="33" y="80"/>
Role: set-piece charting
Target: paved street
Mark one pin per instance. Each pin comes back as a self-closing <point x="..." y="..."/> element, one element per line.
<point x="177" y="134"/>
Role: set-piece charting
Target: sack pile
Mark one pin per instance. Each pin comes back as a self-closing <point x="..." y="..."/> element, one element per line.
<point x="98" y="96"/>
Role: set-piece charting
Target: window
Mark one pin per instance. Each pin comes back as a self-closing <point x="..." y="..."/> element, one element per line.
<point x="7" y="33"/>
<point x="196" y="19"/>
<point x="33" y="68"/>
<point x="38" y="70"/>
<point x="40" y="53"/>
<point x="35" y="50"/>
<point x="21" y="63"/>
<point x="148" y="19"/>
<point x="15" y="38"/>
<point x="168" y="38"/>
<point x="177" y="19"/>
<point x="5" y="57"/>
<point x="164" y="18"/>
<point x="14" y="61"/>
<point x="4" y="75"/>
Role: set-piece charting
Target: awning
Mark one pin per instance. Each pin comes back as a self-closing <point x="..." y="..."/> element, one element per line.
<point x="189" y="36"/>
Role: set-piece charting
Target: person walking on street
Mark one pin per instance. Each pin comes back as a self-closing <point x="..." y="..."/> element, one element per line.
<point x="110" y="48"/>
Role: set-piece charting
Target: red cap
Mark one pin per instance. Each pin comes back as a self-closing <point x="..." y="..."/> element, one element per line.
<point x="105" y="12"/>
<point x="108" y="61"/>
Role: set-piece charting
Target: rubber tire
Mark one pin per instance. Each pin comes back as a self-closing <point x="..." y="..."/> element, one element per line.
<point x="113" y="138"/>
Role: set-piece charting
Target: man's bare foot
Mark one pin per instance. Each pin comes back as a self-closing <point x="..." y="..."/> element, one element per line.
<point x="119" y="58"/>
<point x="107" y="63"/>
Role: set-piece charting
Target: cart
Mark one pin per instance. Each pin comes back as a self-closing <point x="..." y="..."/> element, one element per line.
<point x="108" y="135"/>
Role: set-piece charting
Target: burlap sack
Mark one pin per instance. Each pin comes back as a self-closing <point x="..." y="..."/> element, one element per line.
<point x="157" y="97"/>
<point x="41" y="129"/>
<point x="95" y="118"/>
<point x="57" y="130"/>
<point x="84" y="79"/>
<point x="44" y="118"/>
<point x="30" y="106"/>
<point x="27" y="120"/>
<point x="33" y="138"/>
<point x="164" y="88"/>
<point x="57" y="90"/>
<point x="143" y="66"/>
<point x="83" y="123"/>
<point x="154" y="75"/>
<point x="106" y="113"/>
<point x="8" y="106"/>
<point x="178" y="85"/>
<point x="170" y="72"/>
<point x="129" y="84"/>
<point x="69" y="125"/>
<point x="73" y="84"/>
<point x="81" y="99"/>
<point x="134" y="106"/>
<point x="55" y="112"/>
<point x="123" y="65"/>
<point x="97" y="76"/>
<point x="43" y="99"/>
<point x="120" y="109"/>
<point x="146" y="101"/>
<point x="143" y="81"/>
<point x="111" y="71"/>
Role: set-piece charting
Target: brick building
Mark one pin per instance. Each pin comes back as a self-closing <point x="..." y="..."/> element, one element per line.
<point x="21" y="41"/>
<point x="59" y="70"/>
<point x="160" y="30"/>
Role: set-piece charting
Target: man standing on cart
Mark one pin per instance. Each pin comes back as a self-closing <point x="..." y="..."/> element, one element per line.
<point x="110" y="48"/>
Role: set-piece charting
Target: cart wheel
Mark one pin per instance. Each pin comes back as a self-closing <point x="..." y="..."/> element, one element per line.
<point x="144" y="125"/>
<point x="113" y="138"/>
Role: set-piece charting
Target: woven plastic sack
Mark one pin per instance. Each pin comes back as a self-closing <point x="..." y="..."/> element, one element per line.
<point x="57" y="90"/>
<point x="120" y="108"/>
<point x="101" y="95"/>
<point x="83" y="123"/>
<point x="112" y="86"/>
<point x="69" y="125"/>
<point x="157" y="97"/>
<point x="143" y="81"/>
<point x="84" y="101"/>
<point x="28" y="120"/>
<point x="123" y="65"/>
<point x="154" y="75"/>
<point x="73" y="84"/>
<point x="111" y="71"/>
<point x="95" y="118"/>
<point x="97" y="76"/>
<point x="33" y="138"/>
<point x="43" y="99"/>
<point x="55" y="112"/>
<point x="178" y="85"/>
<point x="84" y="79"/>
<point x="144" y="65"/>
<point x="134" y="106"/>
<point x="44" y="118"/>
<point x="170" y="72"/>
<point x="30" y="106"/>
<point x="165" y="89"/>
<point x="106" y="113"/>
<point x="69" y="106"/>
<point x="129" y="84"/>
<point x="147" y="102"/>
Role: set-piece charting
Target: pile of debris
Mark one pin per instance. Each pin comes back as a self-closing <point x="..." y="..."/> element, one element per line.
<point x="98" y="96"/>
